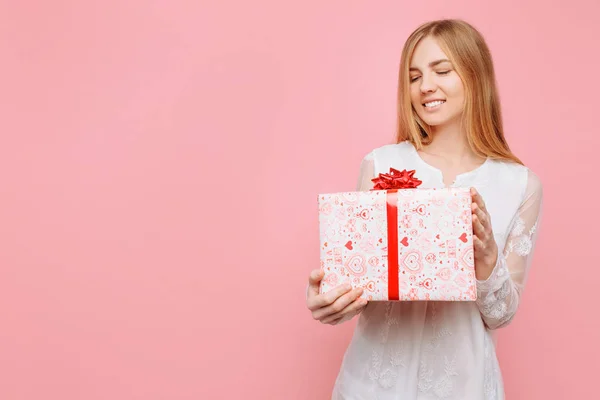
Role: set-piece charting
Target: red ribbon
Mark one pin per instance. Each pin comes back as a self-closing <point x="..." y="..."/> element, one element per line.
<point x="391" y="183"/>
<point x="396" y="180"/>
<point x="392" y="228"/>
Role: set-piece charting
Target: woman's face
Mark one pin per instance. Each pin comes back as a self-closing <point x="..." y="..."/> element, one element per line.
<point x="436" y="90"/>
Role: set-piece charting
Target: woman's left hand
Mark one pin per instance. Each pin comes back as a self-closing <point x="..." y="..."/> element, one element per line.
<point x="484" y="244"/>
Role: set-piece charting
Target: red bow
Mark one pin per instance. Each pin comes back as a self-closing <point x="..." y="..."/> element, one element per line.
<point x="396" y="180"/>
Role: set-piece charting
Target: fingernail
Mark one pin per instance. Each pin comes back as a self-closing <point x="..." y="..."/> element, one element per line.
<point x="347" y="286"/>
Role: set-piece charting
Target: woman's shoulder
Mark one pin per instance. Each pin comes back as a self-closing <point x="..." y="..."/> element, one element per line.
<point x="511" y="173"/>
<point x="393" y="150"/>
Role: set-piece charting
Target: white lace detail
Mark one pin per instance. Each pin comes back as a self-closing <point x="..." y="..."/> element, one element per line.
<point x="398" y="353"/>
<point x="489" y="381"/>
<point x="375" y="365"/>
<point x="442" y="387"/>
<point x="385" y="329"/>
<point x="495" y="310"/>
<point x="494" y="295"/>
<point x="387" y="376"/>
<point x="425" y="378"/>
<point x="520" y="242"/>
<point x="387" y="379"/>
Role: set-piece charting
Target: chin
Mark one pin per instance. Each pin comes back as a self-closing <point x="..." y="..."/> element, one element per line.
<point x="439" y="120"/>
<point x="435" y="121"/>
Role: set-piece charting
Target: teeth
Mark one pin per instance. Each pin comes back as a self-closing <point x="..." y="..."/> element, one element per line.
<point x="434" y="103"/>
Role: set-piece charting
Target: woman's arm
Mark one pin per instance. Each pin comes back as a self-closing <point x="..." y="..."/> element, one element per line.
<point x="499" y="295"/>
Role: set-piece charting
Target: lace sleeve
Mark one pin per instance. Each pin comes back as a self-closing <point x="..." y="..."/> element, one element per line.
<point x="498" y="297"/>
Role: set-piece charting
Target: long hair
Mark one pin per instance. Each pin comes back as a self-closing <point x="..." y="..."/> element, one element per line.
<point x="470" y="55"/>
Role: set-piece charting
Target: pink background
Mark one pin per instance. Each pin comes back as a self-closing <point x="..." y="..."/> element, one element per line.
<point x="159" y="167"/>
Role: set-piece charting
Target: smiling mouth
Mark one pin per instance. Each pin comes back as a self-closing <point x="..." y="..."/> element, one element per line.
<point x="434" y="103"/>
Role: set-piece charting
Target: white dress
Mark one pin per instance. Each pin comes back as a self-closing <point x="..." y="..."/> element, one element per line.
<point x="445" y="350"/>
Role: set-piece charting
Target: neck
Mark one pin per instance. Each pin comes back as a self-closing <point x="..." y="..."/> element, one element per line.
<point x="450" y="142"/>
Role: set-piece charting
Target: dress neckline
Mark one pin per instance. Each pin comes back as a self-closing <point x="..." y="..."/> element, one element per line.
<point x="459" y="178"/>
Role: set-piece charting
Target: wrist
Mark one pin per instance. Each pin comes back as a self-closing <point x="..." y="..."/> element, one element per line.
<point x="484" y="269"/>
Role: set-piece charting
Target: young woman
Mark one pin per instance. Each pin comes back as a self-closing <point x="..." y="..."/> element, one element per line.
<point x="450" y="132"/>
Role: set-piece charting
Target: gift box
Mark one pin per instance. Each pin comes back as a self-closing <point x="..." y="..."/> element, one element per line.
<point x="398" y="241"/>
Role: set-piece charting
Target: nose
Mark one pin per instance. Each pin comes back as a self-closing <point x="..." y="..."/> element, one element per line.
<point x="427" y="84"/>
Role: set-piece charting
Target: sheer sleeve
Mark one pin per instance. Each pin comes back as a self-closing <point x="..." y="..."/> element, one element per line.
<point x="366" y="173"/>
<point x="498" y="296"/>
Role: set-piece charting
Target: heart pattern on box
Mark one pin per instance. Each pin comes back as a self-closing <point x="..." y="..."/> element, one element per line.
<point x="435" y="243"/>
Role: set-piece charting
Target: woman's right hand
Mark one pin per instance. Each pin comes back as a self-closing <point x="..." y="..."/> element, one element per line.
<point x="338" y="305"/>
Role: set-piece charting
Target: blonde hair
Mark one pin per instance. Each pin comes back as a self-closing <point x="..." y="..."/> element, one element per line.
<point x="470" y="55"/>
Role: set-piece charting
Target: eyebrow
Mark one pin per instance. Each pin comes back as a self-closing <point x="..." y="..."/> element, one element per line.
<point x="431" y="64"/>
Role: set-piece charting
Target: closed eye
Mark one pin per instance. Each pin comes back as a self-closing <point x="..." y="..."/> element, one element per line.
<point x="414" y="78"/>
